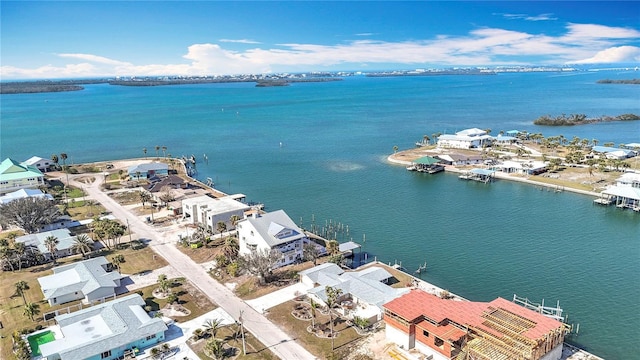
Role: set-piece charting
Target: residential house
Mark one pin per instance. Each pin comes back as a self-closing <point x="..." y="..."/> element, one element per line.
<point x="613" y="153"/>
<point x="363" y="291"/>
<point x="37" y="240"/>
<point x="106" y="331"/>
<point x="148" y="170"/>
<point x="459" y="159"/>
<point x="444" y="329"/>
<point x="274" y="230"/>
<point x="629" y="179"/>
<point x="15" y="176"/>
<point x="207" y="211"/>
<point x="90" y="280"/>
<point x="465" y="139"/>
<point x="40" y="163"/>
<point x="529" y="167"/>
<point x="23" y="194"/>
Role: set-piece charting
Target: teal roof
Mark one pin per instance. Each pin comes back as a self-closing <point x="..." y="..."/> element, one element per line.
<point x="485" y="172"/>
<point x="13" y="170"/>
<point x="427" y="160"/>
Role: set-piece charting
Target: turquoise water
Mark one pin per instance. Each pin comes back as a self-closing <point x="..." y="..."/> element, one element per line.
<point x="479" y="241"/>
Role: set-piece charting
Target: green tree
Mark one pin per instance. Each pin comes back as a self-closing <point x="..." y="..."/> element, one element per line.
<point x="144" y="151"/>
<point x="30" y="310"/>
<point x="163" y="283"/>
<point x="51" y="243"/>
<point x="173" y="298"/>
<point x="395" y="149"/>
<point x="157" y="149"/>
<point x="230" y="248"/>
<point x="21" y="288"/>
<point x="215" y="347"/>
<point x="333" y="295"/>
<point x="333" y="247"/>
<point x="221" y="226"/>
<point x="29" y="214"/>
<point x="6" y="257"/>
<point x="164" y="151"/>
<point x="144" y="196"/>
<point x="82" y="244"/>
<point x="116" y="260"/>
<point x="55" y="160"/>
<point x="310" y="252"/>
<point x="211" y="327"/>
<point x="314" y="307"/>
<point x="19" y="251"/>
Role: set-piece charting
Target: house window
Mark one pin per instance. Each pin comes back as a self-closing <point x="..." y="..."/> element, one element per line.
<point x="438" y="342"/>
<point x="151" y="337"/>
<point x="425" y="333"/>
<point x="105" y="355"/>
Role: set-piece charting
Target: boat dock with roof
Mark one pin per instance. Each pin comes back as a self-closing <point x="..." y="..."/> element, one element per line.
<point x="482" y="175"/>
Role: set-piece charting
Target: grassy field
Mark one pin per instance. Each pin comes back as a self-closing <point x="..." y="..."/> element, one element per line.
<point x="189" y="297"/>
<point x="11" y="306"/>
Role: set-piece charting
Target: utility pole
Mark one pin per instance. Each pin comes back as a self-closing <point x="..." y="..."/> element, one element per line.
<point x="129" y="228"/>
<point x="244" y="348"/>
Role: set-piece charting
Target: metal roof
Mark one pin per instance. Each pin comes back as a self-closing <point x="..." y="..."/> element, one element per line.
<point x="349" y="245"/>
<point x="427" y="160"/>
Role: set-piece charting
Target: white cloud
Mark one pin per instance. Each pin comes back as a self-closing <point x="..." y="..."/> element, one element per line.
<point x="241" y="41"/>
<point x="541" y="17"/>
<point x="581" y="43"/>
<point x="620" y="54"/>
<point x="365" y="34"/>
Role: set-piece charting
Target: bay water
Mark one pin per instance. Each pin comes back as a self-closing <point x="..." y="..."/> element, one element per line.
<point x="318" y="151"/>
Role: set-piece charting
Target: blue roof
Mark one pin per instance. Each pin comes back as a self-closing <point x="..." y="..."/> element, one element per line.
<point x="607" y="149"/>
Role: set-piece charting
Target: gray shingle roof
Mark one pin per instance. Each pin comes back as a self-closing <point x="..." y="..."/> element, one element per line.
<point x="86" y="276"/>
<point x="276" y="228"/>
<point x="103" y="327"/>
<point x="63" y="235"/>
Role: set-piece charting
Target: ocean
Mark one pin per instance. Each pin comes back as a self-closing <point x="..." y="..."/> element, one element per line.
<point x="318" y="151"/>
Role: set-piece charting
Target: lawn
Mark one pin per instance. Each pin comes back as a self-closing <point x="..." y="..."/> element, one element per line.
<point x="320" y="347"/>
<point x="231" y="335"/>
<point x="189" y="297"/>
<point x="249" y="287"/>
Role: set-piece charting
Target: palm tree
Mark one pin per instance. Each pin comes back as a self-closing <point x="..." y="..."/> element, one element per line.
<point x="55" y="159"/>
<point x="230" y="248"/>
<point x="333" y="295"/>
<point x="144" y="151"/>
<point x="395" y="149"/>
<point x="51" y="242"/>
<point x="83" y="244"/>
<point x="212" y="326"/>
<point x="163" y="283"/>
<point x="314" y="306"/>
<point x="63" y="156"/>
<point x="234" y="220"/>
<point x="19" y="250"/>
<point x="221" y="226"/>
<point x="116" y="260"/>
<point x="164" y="151"/>
<point x="144" y="197"/>
<point x="21" y="288"/>
<point x="31" y="310"/>
<point x="215" y="347"/>
<point x="333" y="247"/>
<point x="157" y="149"/>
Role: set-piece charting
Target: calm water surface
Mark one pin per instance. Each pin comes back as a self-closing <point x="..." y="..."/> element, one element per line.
<point x="480" y="241"/>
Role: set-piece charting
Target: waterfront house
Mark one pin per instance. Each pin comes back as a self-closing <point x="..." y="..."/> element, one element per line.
<point x="89" y="280"/>
<point x="15" y="176"/>
<point x="148" y="170"/>
<point x="207" y="211"/>
<point x="269" y="231"/>
<point x="106" y="331"/>
<point x="23" y="194"/>
<point x="40" y="163"/>
<point x="363" y="291"/>
<point x="529" y="167"/>
<point x="624" y="196"/>
<point x="629" y="179"/>
<point x="444" y="329"/>
<point x="459" y="159"/>
<point x="465" y="139"/>
<point x="612" y="152"/>
<point x="37" y="240"/>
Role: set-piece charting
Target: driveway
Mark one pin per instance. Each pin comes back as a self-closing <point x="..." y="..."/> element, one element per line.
<point x="263" y="303"/>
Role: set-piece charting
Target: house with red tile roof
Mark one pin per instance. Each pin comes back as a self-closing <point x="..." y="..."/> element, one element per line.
<point x="445" y="329"/>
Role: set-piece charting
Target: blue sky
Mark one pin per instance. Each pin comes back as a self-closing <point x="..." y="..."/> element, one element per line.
<point x="63" y="39"/>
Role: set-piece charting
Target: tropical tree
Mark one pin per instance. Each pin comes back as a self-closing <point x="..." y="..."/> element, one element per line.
<point x="360" y="322"/>
<point x="51" y="243"/>
<point x="173" y="298"/>
<point x="144" y="196"/>
<point x="314" y="307"/>
<point x="221" y="226"/>
<point x="233" y="220"/>
<point x="163" y="283"/>
<point x="144" y="151"/>
<point x="395" y="149"/>
<point x="164" y="151"/>
<point x="19" y="251"/>
<point x="82" y="244"/>
<point x="333" y="294"/>
<point x="137" y="176"/>
<point x="29" y="214"/>
<point x="215" y="347"/>
<point x="333" y="247"/>
<point x="55" y="160"/>
<point x="211" y="327"/>
<point x="63" y="156"/>
<point x="197" y="334"/>
<point x="21" y="288"/>
<point x="157" y="149"/>
<point x="6" y="257"/>
<point x="107" y="231"/>
<point x="230" y="248"/>
<point x="116" y="260"/>
<point x="30" y="310"/>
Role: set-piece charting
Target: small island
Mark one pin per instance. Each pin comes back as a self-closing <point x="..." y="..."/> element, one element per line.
<point x="622" y="81"/>
<point x="580" y="119"/>
<point x="43" y="86"/>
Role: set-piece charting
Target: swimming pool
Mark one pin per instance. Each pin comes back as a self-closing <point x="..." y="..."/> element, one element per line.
<point x="38" y="339"/>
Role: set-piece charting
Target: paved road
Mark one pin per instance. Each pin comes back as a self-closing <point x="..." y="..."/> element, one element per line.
<point x="163" y="242"/>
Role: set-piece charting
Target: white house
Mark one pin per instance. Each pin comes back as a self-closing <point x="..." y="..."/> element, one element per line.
<point x="274" y="230"/>
<point x="208" y="211"/>
<point x="40" y="163"/>
<point x="90" y="280"/>
<point x="363" y="292"/>
<point x="148" y="170"/>
<point x="521" y="167"/>
<point x="104" y="332"/>
<point x="629" y="179"/>
<point x="23" y="194"/>
<point x="37" y="240"/>
<point x="465" y="139"/>
<point x="15" y="176"/>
